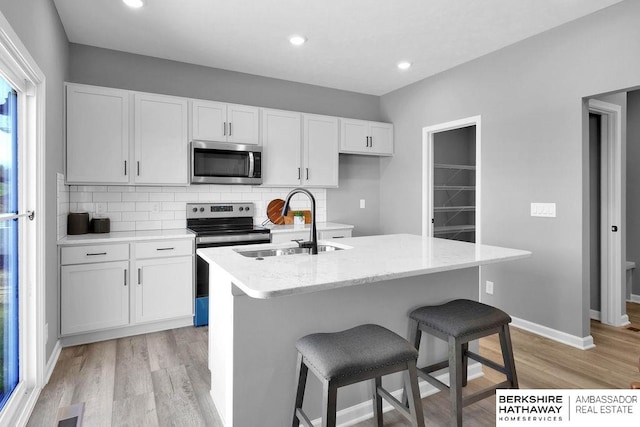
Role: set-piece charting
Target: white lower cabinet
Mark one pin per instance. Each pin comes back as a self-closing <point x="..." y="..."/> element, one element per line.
<point x="164" y="288"/>
<point x="99" y="291"/>
<point x="94" y="296"/>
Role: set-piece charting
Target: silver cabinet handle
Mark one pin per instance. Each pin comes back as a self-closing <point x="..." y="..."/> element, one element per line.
<point x="230" y="132"/>
<point x="371" y="141"/>
<point x="139" y="276"/>
<point x="224" y="128"/>
<point x="138" y="166"/>
<point x="298" y="173"/>
<point x="165" y="249"/>
<point x="307" y="174"/>
<point x="125" y="277"/>
<point x="125" y="168"/>
<point x="97" y="253"/>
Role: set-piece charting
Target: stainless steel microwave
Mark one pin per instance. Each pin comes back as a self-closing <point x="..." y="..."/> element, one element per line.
<point x="225" y="163"/>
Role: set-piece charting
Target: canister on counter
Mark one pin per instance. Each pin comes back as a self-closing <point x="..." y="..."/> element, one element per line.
<point x="78" y="223"/>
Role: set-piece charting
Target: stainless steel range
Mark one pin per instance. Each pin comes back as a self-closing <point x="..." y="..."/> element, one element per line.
<point x="219" y="224"/>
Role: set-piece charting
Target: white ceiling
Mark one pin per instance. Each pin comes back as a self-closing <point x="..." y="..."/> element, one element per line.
<point x="352" y="44"/>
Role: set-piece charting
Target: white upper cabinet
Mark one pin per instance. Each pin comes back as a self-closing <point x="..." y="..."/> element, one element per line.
<point x="281" y="144"/>
<point x="97" y="135"/>
<point x="365" y="137"/>
<point x="299" y="149"/>
<point x="123" y="137"/>
<point x="320" y="151"/>
<point x="161" y="140"/>
<point x="217" y="121"/>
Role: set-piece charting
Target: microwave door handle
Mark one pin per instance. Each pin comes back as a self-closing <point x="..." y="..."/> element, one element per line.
<point x="252" y="164"/>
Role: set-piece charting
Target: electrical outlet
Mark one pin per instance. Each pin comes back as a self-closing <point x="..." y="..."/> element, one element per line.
<point x="362" y="203"/>
<point x="543" y="209"/>
<point x="489" y="287"/>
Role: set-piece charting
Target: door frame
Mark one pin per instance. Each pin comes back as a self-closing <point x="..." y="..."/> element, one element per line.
<point x="612" y="263"/>
<point x="428" y="134"/>
<point x="21" y="70"/>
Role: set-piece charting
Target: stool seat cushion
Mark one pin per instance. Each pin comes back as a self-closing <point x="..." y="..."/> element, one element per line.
<point x="356" y="350"/>
<point x="461" y="317"/>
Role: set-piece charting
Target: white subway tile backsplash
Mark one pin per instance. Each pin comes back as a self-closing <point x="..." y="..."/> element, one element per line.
<point x="133" y="208"/>
<point x="107" y="197"/>
<point x="161" y="197"/>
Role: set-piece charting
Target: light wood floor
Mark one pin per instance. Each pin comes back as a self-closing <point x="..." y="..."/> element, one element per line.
<point x="162" y="379"/>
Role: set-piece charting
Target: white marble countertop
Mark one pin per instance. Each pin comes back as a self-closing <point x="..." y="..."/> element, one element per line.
<point x="321" y="226"/>
<point x="368" y="259"/>
<point x="126" y="236"/>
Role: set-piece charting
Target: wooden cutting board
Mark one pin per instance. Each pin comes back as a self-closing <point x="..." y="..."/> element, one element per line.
<point x="274" y="211"/>
<point x="289" y="218"/>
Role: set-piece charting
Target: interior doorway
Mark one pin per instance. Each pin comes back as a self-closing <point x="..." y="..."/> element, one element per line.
<point x="451" y="180"/>
<point x="606" y="196"/>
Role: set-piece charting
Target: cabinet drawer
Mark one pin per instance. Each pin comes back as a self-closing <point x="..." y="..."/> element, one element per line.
<point x="94" y="253"/>
<point x="164" y="248"/>
<point x="289" y="236"/>
<point x="334" y="234"/>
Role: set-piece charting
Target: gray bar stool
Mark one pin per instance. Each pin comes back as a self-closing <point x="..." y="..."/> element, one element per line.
<point x="458" y="322"/>
<point x="366" y="352"/>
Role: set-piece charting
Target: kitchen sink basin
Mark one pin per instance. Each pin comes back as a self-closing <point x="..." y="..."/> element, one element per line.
<point x="262" y="253"/>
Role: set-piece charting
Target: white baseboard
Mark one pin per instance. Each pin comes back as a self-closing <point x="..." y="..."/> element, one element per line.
<point x="595" y="315"/>
<point x="583" y="343"/>
<point x="624" y="319"/>
<point x="634" y="298"/>
<point x="364" y="411"/>
<point x="51" y="363"/>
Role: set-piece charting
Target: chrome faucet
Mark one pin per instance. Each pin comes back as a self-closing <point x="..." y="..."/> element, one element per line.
<point x="313" y="243"/>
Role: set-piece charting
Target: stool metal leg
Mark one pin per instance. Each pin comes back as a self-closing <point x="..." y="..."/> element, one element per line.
<point x="455" y="381"/>
<point x="302" y="382"/>
<point x="413" y="392"/>
<point x="329" y="398"/>
<point x="377" y="402"/>
<point x="507" y="356"/>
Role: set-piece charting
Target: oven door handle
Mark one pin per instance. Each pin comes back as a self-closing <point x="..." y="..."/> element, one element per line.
<point x="252" y="164"/>
<point x="258" y="238"/>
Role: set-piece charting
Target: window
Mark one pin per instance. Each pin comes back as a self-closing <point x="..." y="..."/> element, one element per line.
<point x="9" y="235"/>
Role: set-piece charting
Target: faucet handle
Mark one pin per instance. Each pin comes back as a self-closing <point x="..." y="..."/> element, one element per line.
<point x="300" y="242"/>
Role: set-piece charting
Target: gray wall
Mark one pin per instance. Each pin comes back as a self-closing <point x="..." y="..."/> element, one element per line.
<point x="530" y="96"/>
<point x="37" y="24"/>
<point x="633" y="185"/>
<point x="359" y="176"/>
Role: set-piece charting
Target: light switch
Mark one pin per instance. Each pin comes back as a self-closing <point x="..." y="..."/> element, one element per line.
<point x="547" y="210"/>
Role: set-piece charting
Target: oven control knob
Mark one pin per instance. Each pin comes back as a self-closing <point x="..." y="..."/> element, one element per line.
<point x="195" y="209"/>
<point x="247" y="208"/>
<point x="241" y="208"/>
<point x="201" y="209"/>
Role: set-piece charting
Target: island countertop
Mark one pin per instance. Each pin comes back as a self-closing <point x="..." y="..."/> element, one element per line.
<point x="364" y="260"/>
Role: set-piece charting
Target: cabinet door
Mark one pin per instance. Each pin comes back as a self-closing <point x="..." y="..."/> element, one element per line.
<point x="161" y="140"/>
<point x="164" y="288"/>
<point x="281" y="141"/>
<point x="93" y="296"/>
<point x="208" y="121"/>
<point x="354" y="136"/>
<point x="321" y="135"/>
<point x="97" y="135"/>
<point x="243" y="124"/>
<point x="381" y="141"/>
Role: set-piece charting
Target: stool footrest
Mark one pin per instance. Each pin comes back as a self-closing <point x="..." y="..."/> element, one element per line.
<point x="435" y="367"/>
<point x="432" y="380"/>
<point x="489" y="391"/>
<point x="490" y="363"/>
<point x="395" y="403"/>
<point x="302" y="417"/>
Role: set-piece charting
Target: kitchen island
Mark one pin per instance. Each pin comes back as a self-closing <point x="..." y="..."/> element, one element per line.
<point x="260" y="306"/>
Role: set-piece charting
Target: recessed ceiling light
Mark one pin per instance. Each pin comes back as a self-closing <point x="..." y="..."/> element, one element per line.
<point x="404" y="65"/>
<point x="134" y="3"/>
<point x="297" y="40"/>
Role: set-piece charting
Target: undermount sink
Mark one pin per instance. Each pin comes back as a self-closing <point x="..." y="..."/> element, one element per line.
<point x="262" y="253"/>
